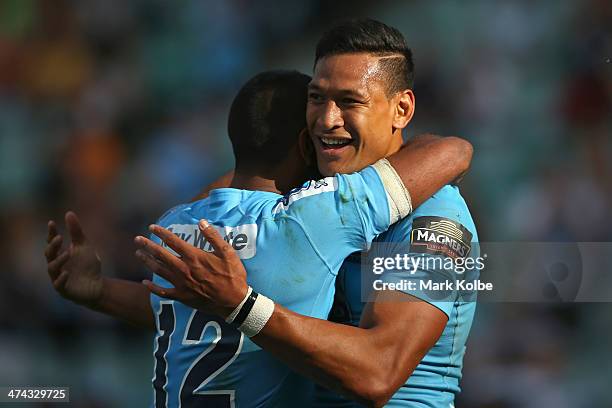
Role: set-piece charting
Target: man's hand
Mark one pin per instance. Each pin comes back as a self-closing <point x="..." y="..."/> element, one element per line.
<point x="75" y="274"/>
<point x="74" y="271"/>
<point x="212" y="282"/>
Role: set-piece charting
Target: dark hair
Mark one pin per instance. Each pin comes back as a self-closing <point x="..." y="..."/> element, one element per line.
<point x="267" y="116"/>
<point x="374" y="37"/>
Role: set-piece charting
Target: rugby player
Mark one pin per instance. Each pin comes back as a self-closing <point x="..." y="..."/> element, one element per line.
<point x="406" y="353"/>
<point x="200" y="359"/>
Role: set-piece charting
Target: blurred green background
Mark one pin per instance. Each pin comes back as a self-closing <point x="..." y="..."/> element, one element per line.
<point x="117" y="110"/>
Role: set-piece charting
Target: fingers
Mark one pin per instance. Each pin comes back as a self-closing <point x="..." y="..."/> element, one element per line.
<point x="74" y="228"/>
<point x="181" y="247"/>
<point x="54" y="267"/>
<point x="61" y="280"/>
<point x="162" y="255"/>
<point x="53" y="248"/>
<point x="221" y="247"/>
<point x="51" y="230"/>
<point x="168" y="293"/>
<point x="157" y="268"/>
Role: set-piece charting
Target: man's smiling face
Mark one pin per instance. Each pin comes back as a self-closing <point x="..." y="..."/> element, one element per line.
<point x="350" y="117"/>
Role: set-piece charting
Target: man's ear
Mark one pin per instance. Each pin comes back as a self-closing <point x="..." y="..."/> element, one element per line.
<point x="306" y="147"/>
<point x="404" y="109"/>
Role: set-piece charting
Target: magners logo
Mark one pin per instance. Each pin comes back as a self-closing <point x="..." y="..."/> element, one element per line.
<point x="440" y="236"/>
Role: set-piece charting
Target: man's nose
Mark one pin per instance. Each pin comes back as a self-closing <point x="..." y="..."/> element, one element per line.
<point x="331" y="116"/>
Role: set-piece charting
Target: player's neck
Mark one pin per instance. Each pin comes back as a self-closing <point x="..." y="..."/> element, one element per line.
<point x="257" y="183"/>
<point x="396" y="143"/>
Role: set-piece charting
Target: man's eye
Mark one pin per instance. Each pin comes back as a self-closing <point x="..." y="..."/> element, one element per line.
<point x="315" y="97"/>
<point x="349" y="101"/>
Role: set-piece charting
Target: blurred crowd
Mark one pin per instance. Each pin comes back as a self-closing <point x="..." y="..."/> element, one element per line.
<point x="117" y="110"/>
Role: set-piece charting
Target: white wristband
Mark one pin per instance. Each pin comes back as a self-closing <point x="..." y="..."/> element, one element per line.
<point x="258" y="316"/>
<point x="229" y="319"/>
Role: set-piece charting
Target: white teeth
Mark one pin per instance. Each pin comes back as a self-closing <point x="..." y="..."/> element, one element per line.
<point x="331" y="141"/>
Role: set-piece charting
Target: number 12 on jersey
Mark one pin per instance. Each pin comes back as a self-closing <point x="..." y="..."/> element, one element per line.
<point x="218" y="355"/>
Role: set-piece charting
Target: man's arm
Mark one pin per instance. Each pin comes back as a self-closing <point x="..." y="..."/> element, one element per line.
<point x="427" y="165"/>
<point x="127" y="301"/>
<point x="424" y="157"/>
<point x="439" y="160"/>
<point x="428" y="138"/>
<point x="75" y="274"/>
<point x="422" y="138"/>
<point x="367" y="363"/>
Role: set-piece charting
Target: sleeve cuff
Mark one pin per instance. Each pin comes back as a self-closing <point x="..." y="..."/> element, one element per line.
<point x="398" y="197"/>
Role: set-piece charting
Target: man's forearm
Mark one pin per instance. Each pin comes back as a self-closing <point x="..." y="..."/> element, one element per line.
<point x="126" y="300"/>
<point x="422" y="139"/>
<point x="329" y="353"/>
<point x="428" y="164"/>
<point x="367" y="363"/>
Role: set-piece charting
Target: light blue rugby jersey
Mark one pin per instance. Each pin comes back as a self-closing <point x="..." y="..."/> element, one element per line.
<point x="292" y="248"/>
<point x="435" y="381"/>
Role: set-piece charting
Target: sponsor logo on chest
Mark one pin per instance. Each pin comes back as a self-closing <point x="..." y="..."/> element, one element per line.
<point x="242" y="238"/>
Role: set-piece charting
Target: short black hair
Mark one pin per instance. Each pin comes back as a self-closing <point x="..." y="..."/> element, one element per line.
<point x="267" y="116"/>
<point x="376" y="38"/>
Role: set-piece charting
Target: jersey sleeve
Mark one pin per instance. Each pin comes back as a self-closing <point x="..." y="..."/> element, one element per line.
<point x="347" y="209"/>
<point x="438" y="252"/>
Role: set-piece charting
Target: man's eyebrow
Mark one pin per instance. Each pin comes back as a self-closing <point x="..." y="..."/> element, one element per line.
<point x="344" y="92"/>
<point x="351" y="92"/>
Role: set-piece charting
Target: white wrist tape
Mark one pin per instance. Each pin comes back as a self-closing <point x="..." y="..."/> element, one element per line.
<point x="258" y="316"/>
<point x="232" y="316"/>
<point x="400" y="203"/>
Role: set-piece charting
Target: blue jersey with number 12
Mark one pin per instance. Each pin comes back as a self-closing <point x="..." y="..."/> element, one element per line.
<point x="292" y="248"/>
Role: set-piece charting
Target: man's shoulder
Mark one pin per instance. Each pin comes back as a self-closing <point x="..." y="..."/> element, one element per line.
<point x="447" y="201"/>
<point x="226" y="205"/>
<point x="171" y="213"/>
<point x="302" y="196"/>
<point x="446" y="204"/>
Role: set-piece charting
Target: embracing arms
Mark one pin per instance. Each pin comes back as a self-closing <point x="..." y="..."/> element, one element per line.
<point x="427" y="161"/>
